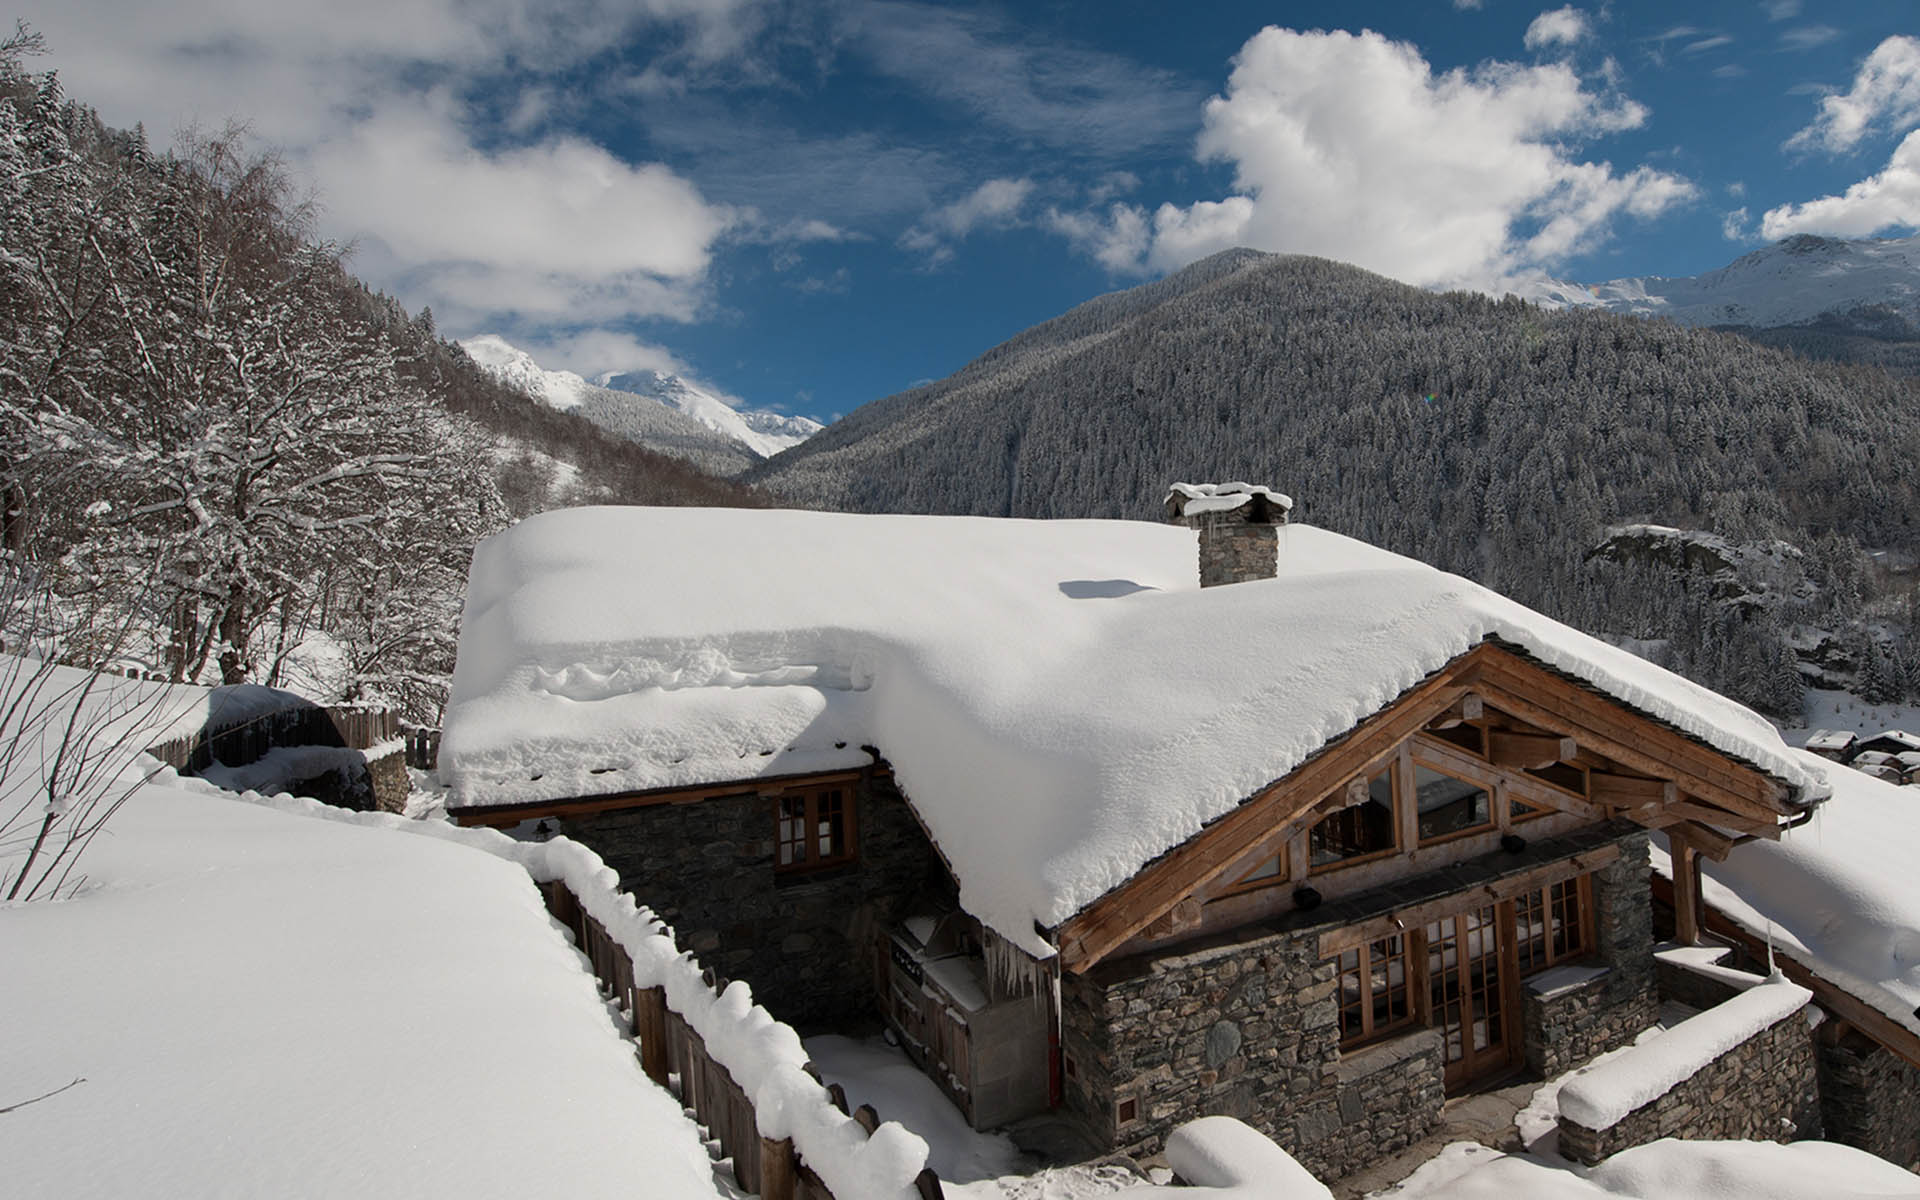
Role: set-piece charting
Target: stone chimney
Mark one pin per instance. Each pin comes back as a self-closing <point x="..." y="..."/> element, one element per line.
<point x="1237" y="523"/>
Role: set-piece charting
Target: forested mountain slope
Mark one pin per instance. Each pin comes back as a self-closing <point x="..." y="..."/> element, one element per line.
<point x="1487" y="437"/>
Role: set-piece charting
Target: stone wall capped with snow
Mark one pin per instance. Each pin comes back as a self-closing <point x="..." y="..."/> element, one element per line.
<point x="1764" y="1089"/>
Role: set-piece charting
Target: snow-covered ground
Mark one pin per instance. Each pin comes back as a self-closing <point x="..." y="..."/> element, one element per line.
<point x="1845" y="711"/>
<point x="259" y="1003"/>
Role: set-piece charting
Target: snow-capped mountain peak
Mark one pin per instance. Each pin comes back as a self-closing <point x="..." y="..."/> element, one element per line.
<point x="766" y="433"/>
<point x="609" y="401"/>
<point x="517" y="369"/>
<point x="1797" y="281"/>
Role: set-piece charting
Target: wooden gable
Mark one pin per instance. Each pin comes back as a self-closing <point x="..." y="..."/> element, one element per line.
<point x="1542" y="745"/>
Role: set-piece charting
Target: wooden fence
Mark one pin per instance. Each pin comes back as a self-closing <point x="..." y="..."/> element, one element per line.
<point x="423" y="747"/>
<point x="299" y="724"/>
<point x="670" y="1048"/>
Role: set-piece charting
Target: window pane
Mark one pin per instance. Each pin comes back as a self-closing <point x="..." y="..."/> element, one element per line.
<point x="1448" y="805"/>
<point x="1365" y="828"/>
<point x="793" y="830"/>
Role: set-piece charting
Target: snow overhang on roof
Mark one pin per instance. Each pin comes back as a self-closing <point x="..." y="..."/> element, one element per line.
<point x="1060" y="699"/>
<point x="1197" y="499"/>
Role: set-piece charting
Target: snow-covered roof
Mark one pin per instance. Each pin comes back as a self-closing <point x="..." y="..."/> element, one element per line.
<point x="1898" y="737"/>
<point x="1060" y="699"/>
<point x="1830" y="739"/>
<point x="1195" y="499"/>
<point x="1840" y="893"/>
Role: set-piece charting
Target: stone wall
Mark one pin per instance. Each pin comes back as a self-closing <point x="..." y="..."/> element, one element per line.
<point x="804" y="940"/>
<point x="1233" y="551"/>
<point x="1870" y="1099"/>
<point x="1764" y="1089"/>
<point x="1566" y="1026"/>
<point x="1248" y="1030"/>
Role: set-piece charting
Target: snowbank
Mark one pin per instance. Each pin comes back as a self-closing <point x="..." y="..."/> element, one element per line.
<point x="1663" y="1170"/>
<point x="1059" y="699"/>
<point x="1602" y="1096"/>
<point x="264" y="1005"/>
<point x="1235" y="1159"/>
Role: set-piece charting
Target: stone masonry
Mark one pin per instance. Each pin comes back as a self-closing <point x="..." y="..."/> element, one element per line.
<point x="1565" y="1029"/>
<point x="1761" y="1090"/>
<point x="1870" y="1099"/>
<point x="1247" y="1029"/>
<point x="804" y="941"/>
<point x="1234" y="551"/>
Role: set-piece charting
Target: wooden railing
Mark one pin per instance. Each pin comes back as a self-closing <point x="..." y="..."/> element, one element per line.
<point x="299" y="724"/>
<point x="423" y="747"/>
<point x="670" y="1049"/>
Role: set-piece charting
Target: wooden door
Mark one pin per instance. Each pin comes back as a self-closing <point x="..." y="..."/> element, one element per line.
<point x="1467" y="990"/>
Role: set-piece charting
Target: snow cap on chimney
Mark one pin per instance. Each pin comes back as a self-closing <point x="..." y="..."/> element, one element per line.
<point x="1236" y="523"/>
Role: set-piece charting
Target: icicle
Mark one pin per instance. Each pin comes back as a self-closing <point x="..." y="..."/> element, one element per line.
<point x="1771" y="969"/>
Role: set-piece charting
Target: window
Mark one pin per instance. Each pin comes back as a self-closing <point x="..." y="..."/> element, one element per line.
<point x="1359" y="830"/>
<point x="1268" y="872"/>
<point x="815" y="829"/>
<point x="1550" y="925"/>
<point x="1449" y="806"/>
<point x="1376" y="993"/>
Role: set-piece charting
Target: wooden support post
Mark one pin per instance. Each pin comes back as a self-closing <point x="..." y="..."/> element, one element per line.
<point x="927" y="1184"/>
<point x="867" y="1119"/>
<point x="777" y="1175"/>
<point x="650" y="1022"/>
<point x="1686" y="893"/>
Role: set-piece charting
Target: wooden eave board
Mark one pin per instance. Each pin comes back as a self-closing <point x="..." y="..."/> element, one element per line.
<point x="1506" y="681"/>
<point x="580" y="806"/>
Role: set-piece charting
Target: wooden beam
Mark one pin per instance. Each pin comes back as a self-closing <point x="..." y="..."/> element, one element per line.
<point x="1334" y="941"/>
<point x="1625" y="791"/>
<point x="1710" y="842"/>
<point x="1606" y="720"/>
<point x="1686" y="893"/>
<point x="1627" y="750"/>
<point x="1265" y="820"/>
<point x="1470" y="708"/>
<point x="1528" y="750"/>
<point x="580" y="806"/>
<point x="1472" y="768"/>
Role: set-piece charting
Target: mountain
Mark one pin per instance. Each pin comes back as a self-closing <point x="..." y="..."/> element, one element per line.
<point x="1490" y="438"/>
<point x="1855" y="300"/>
<point x="661" y="411"/>
<point x="764" y="432"/>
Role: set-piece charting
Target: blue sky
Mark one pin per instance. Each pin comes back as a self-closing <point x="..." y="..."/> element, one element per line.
<point x="812" y="205"/>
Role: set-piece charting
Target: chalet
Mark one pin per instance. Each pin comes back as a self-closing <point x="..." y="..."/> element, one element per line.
<point x="1835" y="744"/>
<point x="1890" y="742"/>
<point x="1315" y="838"/>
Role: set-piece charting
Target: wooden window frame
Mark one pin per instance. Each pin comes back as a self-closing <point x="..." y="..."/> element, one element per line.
<point x="1489" y="825"/>
<point x="1363" y="955"/>
<point x="813" y="801"/>
<point x="1247" y="883"/>
<point x="1580" y="888"/>
<point x="1391" y="769"/>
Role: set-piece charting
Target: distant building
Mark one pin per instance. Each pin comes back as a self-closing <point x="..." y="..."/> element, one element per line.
<point x="1836" y="744"/>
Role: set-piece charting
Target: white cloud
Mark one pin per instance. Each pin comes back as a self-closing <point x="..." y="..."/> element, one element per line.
<point x="1560" y="27"/>
<point x="1888" y="200"/>
<point x="359" y="97"/>
<point x="1887" y="87"/>
<point x="1349" y="146"/>
<point x="1733" y="225"/>
<point x="1051" y="92"/>
<point x="1782" y="10"/>
<point x="994" y="204"/>
<point x="1706" y="43"/>
<point x="1469" y="5"/>
<point x="1117" y="240"/>
<point x="1806" y="37"/>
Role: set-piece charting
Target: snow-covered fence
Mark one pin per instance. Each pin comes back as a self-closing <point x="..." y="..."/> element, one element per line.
<point x="1743" y="1070"/>
<point x="248" y="738"/>
<point x="744" y="1075"/>
<point x="423" y="747"/>
<point x="833" y="1155"/>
